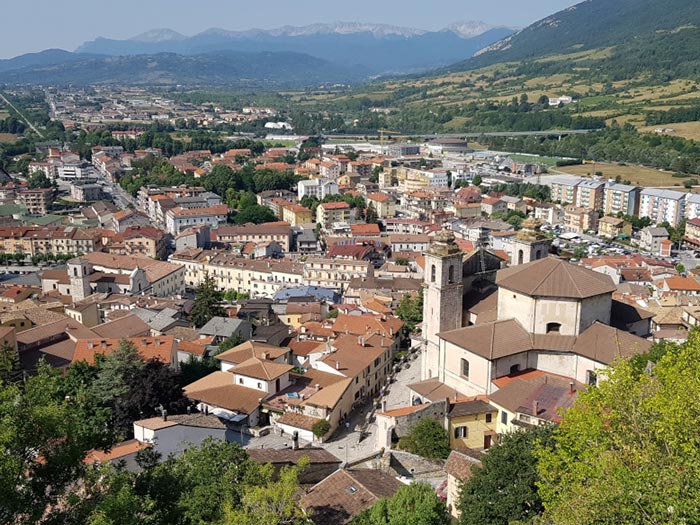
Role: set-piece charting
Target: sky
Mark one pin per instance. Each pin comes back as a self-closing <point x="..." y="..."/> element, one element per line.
<point x="34" y="25"/>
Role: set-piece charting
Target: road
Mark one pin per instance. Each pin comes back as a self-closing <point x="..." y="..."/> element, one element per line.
<point x="22" y="116"/>
<point x="121" y="197"/>
<point x="556" y="132"/>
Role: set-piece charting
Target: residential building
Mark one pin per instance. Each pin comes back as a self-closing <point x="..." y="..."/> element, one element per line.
<point x="280" y="232"/>
<point x="329" y="213"/>
<point x="662" y="205"/>
<point x="459" y="470"/>
<point x="612" y="227"/>
<point x="564" y="188"/>
<point x="179" y="219"/>
<point x="549" y="213"/>
<point x="621" y="198"/>
<point x="319" y="188"/>
<point x="410" y="243"/>
<point x="650" y="239"/>
<point x="692" y="233"/>
<point x="296" y="215"/>
<point x="383" y="203"/>
<point x="491" y="205"/>
<point x="472" y="424"/>
<point x="589" y="194"/>
<point x="37" y="202"/>
<point x="145" y="241"/>
<point x="335" y="274"/>
<point x="580" y="220"/>
<point x="692" y="206"/>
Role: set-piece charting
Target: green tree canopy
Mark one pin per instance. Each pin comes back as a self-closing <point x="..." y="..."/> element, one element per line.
<point x="207" y="302"/>
<point x="428" y="439"/>
<point x="628" y="452"/>
<point x="415" y="504"/>
<point x="410" y="310"/>
<point x="504" y="489"/>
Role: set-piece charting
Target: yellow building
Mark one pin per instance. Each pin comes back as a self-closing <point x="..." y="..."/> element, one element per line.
<point x="612" y="227"/>
<point x="296" y="214"/>
<point x="472" y="424"/>
<point x="383" y="204"/>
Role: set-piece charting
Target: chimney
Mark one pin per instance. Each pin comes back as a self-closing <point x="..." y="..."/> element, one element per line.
<point x="337" y="365"/>
<point x="535" y="408"/>
<point x="265" y="355"/>
<point x="361" y="341"/>
<point x="391" y="331"/>
<point x="572" y="388"/>
<point x="317" y="387"/>
<point x="157" y="341"/>
<point x="165" y="415"/>
<point x="90" y="345"/>
<point x="206" y="410"/>
<point x="383" y="405"/>
<point x="104" y="344"/>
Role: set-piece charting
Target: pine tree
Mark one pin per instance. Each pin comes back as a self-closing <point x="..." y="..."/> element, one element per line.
<point x="206" y="303"/>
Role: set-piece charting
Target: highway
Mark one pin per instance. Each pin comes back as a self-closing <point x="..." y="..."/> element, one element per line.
<point x="430" y="136"/>
<point x="22" y="116"/>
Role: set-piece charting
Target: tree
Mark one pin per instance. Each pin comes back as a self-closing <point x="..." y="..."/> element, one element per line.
<point x="207" y="302"/>
<point x="627" y="452"/>
<point x="10" y="368"/>
<point x="371" y="216"/>
<point x="256" y="214"/>
<point x="271" y="502"/>
<point x="44" y="439"/>
<point x="321" y="428"/>
<point x="476" y="181"/>
<point x="410" y="310"/>
<point x="428" y="439"/>
<point x="415" y="504"/>
<point x="504" y="489"/>
<point x="38" y="179"/>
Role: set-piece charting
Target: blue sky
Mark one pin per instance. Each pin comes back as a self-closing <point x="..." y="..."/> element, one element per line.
<point x="33" y="25"/>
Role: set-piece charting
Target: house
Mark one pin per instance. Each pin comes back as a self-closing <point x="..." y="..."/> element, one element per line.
<point x="459" y="468"/>
<point x="163" y="348"/>
<point x="280" y="232"/>
<point x="222" y="328"/>
<point x="319" y="188"/>
<point x="173" y="434"/>
<point x="409" y="243"/>
<point x="491" y="205"/>
<point x="472" y="424"/>
<point x="346" y="493"/>
<point x="179" y="219"/>
<point x="296" y="215"/>
<point x="612" y="227"/>
<point x="321" y="462"/>
<point x="650" y="239"/>
<point x="329" y="213"/>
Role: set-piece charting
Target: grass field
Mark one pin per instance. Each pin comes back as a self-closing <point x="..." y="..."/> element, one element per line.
<point x="547" y="161"/>
<point x="637" y="175"/>
<point x="3" y="114"/>
<point x="8" y="138"/>
<point x="687" y="130"/>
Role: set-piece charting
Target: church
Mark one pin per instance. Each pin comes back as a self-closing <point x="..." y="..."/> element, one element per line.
<point x="483" y="322"/>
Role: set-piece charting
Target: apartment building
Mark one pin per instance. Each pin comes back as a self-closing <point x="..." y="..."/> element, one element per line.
<point x="295" y="214"/>
<point x="550" y="213"/>
<point x="280" y="232"/>
<point x="621" y="198"/>
<point x="335" y="274"/>
<point x="37" y="201"/>
<point x="383" y="203"/>
<point x="38" y="240"/>
<point x="580" y="220"/>
<point x="258" y="278"/>
<point x="145" y="241"/>
<point x="319" y="188"/>
<point x="589" y="194"/>
<point x="564" y="188"/>
<point x="179" y="219"/>
<point x="662" y="205"/>
<point x="329" y="213"/>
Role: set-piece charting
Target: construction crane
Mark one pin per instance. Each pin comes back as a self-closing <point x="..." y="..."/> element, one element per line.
<point x="381" y="137"/>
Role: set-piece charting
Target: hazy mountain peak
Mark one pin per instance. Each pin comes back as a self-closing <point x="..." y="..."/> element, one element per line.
<point x="341" y="28"/>
<point x="470" y="28"/>
<point x="158" y="35"/>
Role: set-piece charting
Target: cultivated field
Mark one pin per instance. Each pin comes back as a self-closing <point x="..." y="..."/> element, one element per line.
<point x="7" y="138"/>
<point x="637" y="175"/>
<point x="687" y="130"/>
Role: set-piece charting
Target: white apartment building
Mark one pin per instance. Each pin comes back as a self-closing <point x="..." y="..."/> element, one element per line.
<point x="662" y="205"/>
<point x="179" y="219"/>
<point x="319" y="188"/>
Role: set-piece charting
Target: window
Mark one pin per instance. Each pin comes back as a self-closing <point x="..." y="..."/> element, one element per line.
<point x="259" y="386"/>
<point x="520" y="257"/>
<point x="451" y="274"/>
<point x="504" y="417"/>
<point x="465" y="368"/>
<point x="240" y="380"/>
<point x="461" y="432"/>
<point x="514" y="369"/>
<point x="591" y="377"/>
<point x="489" y="417"/>
<point x="433" y="271"/>
<point x="553" y="328"/>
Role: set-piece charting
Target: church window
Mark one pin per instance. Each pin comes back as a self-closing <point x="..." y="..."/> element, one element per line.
<point x="75" y="272"/>
<point x="553" y="328"/>
<point x="465" y="368"/>
<point x="520" y="256"/>
<point x="451" y="274"/>
<point x="433" y="271"/>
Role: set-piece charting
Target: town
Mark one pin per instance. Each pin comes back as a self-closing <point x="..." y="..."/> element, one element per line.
<point x="330" y="298"/>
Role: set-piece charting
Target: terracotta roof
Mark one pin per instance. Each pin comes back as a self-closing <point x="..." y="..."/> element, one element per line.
<point x="346" y="493"/>
<point x="329" y="396"/>
<point x="491" y="340"/>
<point x="460" y="465"/>
<point x="350" y="358"/>
<point x="335" y="205"/>
<point x="298" y="420"/>
<point x="604" y="344"/>
<point x="470" y="407"/>
<point x="118" y="451"/>
<point x="388" y="326"/>
<point x="363" y="229"/>
<point x="403" y="411"/>
<point x="289" y="456"/>
<point x="551" y="277"/>
<point x="304" y="348"/>
<point x="249" y="349"/>
<point x="434" y="390"/>
<point x="262" y="369"/>
<point x="217" y="389"/>
<point x="378" y="197"/>
<point x="161" y="348"/>
<point x="127" y="326"/>
<point x="682" y="284"/>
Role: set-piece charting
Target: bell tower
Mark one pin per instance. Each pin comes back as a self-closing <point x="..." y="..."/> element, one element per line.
<point x="530" y="244"/>
<point x="79" y="276"/>
<point x="442" y="300"/>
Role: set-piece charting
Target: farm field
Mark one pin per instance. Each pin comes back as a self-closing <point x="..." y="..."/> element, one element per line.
<point x="687" y="130"/>
<point x="637" y="175"/>
<point x="7" y="138"/>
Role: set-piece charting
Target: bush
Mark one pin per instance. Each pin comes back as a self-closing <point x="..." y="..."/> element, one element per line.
<point x="321" y="428"/>
<point x="427" y="439"/>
